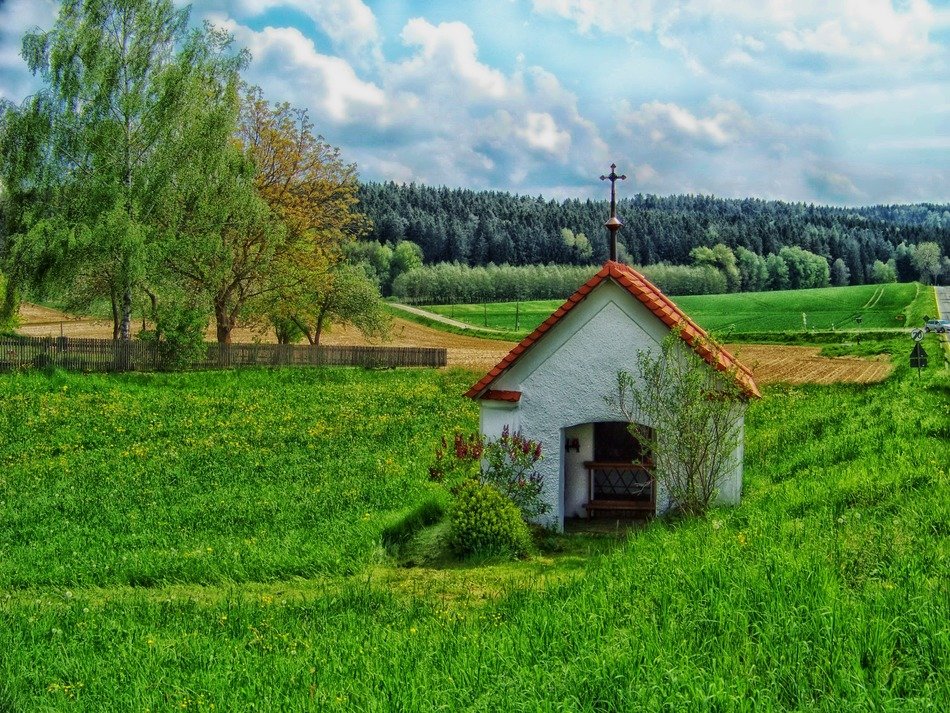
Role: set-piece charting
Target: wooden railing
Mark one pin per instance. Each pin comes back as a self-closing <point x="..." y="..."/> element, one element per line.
<point x="103" y="355"/>
<point x="620" y="487"/>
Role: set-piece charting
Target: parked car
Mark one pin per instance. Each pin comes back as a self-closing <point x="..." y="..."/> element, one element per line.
<point x="937" y="325"/>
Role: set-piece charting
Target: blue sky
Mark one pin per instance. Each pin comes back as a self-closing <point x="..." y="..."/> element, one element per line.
<point x="828" y="101"/>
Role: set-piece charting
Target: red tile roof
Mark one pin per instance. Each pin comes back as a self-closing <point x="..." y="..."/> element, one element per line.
<point x="655" y="301"/>
<point x="497" y="395"/>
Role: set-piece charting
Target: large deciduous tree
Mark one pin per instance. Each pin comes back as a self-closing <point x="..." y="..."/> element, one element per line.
<point x="107" y="128"/>
<point x="222" y="240"/>
<point x="259" y="227"/>
<point x="306" y="184"/>
<point x="302" y="177"/>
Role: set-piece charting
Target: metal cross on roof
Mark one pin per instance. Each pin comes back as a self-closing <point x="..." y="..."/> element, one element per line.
<point x="613" y="223"/>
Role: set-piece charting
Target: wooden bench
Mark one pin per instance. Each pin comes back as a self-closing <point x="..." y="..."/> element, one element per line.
<point x="625" y="505"/>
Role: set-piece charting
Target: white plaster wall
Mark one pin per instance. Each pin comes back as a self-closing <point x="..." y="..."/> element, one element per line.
<point x="495" y="415"/>
<point x="565" y="377"/>
<point x="731" y="490"/>
<point x="575" y="474"/>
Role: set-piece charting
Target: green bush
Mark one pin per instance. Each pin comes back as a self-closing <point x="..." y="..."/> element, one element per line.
<point x="180" y="334"/>
<point x="485" y="522"/>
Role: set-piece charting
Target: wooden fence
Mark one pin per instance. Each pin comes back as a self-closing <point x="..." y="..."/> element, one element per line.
<point x="18" y="352"/>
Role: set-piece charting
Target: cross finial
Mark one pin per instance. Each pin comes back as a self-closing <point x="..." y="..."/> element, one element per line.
<point x="613" y="177"/>
<point x="613" y="223"/>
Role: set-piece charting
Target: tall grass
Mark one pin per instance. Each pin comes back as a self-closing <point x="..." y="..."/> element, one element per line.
<point x="826" y="589"/>
<point x="213" y="476"/>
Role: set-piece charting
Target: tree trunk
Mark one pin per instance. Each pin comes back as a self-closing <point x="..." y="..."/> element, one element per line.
<point x="115" y="317"/>
<point x="305" y="329"/>
<point x="224" y="323"/>
<point x="125" y="327"/>
<point x="153" y="298"/>
<point x="319" y="329"/>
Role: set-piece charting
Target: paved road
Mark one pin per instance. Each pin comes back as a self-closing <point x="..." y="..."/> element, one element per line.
<point x="943" y="312"/>
<point x="444" y="320"/>
<point x="943" y="302"/>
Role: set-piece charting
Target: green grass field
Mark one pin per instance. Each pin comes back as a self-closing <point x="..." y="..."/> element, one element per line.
<point x="879" y="306"/>
<point x="212" y="541"/>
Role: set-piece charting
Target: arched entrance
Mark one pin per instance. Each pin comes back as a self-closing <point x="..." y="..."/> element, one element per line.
<point x="608" y="471"/>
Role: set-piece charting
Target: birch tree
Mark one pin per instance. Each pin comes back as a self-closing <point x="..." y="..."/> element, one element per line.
<point x="115" y="74"/>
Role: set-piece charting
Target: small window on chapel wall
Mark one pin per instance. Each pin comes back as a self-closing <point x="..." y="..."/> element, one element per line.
<point x="614" y="443"/>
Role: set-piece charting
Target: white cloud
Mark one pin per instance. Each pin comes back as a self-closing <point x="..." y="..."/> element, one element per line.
<point x="439" y="115"/>
<point x="666" y="122"/>
<point x="286" y="63"/>
<point x="914" y="143"/>
<point x="750" y="43"/>
<point x="833" y="184"/>
<point x="738" y="58"/>
<point x="620" y="17"/>
<point x="866" y="29"/>
<point x="645" y="175"/>
<point x="879" y="30"/>
<point x="541" y="132"/>
<point x="934" y="95"/>
<point x="350" y="24"/>
<point x="447" y="54"/>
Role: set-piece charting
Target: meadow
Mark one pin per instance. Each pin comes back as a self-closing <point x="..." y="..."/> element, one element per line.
<point x="213" y="541"/>
<point x="211" y="477"/>
<point x="825" y="309"/>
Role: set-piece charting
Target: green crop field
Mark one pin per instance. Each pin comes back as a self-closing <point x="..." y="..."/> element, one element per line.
<point x="878" y="306"/>
<point x="213" y="541"/>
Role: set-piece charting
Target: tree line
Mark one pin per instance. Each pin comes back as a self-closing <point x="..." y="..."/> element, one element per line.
<point x="146" y="174"/>
<point x="713" y="271"/>
<point x="482" y="227"/>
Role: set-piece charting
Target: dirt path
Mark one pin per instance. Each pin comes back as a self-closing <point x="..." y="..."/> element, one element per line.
<point x="441" y="318"/>
<point x="769" y="363"/>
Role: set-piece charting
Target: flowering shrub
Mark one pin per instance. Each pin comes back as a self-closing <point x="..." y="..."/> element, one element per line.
<point x="484" y="522"/>
<point x="506" y="463"/>
<point x="461" y="461"/>
<point x="510" y="468"/>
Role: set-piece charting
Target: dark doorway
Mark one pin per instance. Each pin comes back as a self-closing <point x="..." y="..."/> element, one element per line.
<point x="613" y="443"/>
<point x="620" y="478"/>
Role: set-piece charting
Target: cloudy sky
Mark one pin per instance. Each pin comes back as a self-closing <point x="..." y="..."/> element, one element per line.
<point x="831" y="101"/>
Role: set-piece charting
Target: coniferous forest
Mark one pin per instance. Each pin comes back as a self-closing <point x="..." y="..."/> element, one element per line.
<point x="476" y="228"/>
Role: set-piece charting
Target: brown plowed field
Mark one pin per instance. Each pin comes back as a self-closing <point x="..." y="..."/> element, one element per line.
<point x="769" y="363"/>
<point x="772" y="363"/>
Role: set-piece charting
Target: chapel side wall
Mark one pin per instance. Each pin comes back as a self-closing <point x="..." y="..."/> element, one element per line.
<point x="494" y="416"/>
<point x="731" y="491"/>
